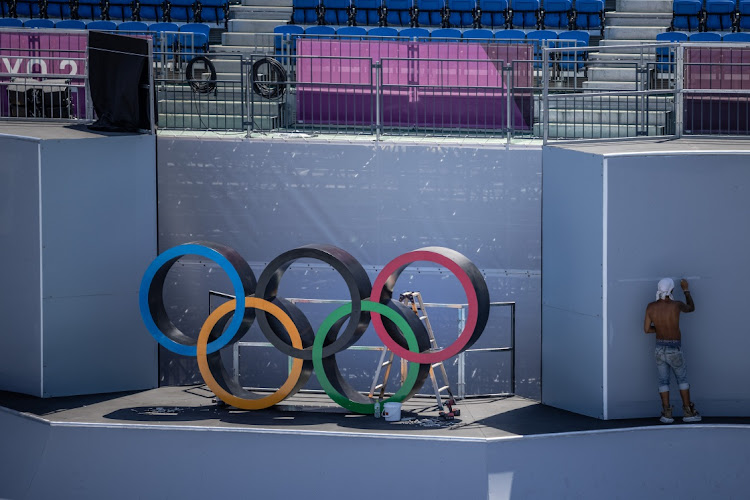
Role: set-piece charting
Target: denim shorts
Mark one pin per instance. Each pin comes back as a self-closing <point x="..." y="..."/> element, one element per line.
<point x="669" y="359"/>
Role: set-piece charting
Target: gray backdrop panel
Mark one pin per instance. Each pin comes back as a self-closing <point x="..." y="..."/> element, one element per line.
<point x="377" y="202"/>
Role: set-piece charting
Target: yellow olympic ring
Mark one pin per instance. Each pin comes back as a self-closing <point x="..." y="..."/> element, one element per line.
<point x="230" y="399"/>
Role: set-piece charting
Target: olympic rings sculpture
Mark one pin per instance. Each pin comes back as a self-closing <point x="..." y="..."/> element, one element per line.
<point x="288" y="329"/>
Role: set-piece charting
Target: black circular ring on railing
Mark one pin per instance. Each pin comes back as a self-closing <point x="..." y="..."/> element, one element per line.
<point x="269" y="78"/>
<point x="356" y="280"/>
<point x="200" y="85"/>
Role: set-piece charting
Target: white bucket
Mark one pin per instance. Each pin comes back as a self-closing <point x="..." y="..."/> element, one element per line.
<point x="392" y="412"/>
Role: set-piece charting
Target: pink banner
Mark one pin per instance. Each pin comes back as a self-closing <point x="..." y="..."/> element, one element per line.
<point x="42" y="53"/>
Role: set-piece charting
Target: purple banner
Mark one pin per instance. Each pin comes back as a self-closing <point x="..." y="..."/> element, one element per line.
<point x="424" y="84"/>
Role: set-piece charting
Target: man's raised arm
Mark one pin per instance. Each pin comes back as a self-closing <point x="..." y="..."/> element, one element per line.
<point x="690" y="307"/>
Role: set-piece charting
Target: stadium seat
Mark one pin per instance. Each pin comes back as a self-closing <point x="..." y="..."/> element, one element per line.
<point x="398" y="12"/>
<point x="87" y="9"/>
<point x="335" y="12"/>
<point x="384" y="33"/>
<point x="212" y="11"/>
<point x="149" y="10"/>
<point x="351" y="32"/>
<point x="285" y="40"/>
<point x="687" y="15"/>
<point x="720" y="14"/>
<point x="589" y="15"/>
<point x="704" y="37"/>
<point x="461" y="13"/>
<point x="305" y="11"/>
<point x="165" y="37"/>
<point x="665" y="55"/>
<point x="557" y="14"/>
<point x="478" y="35"/>
<point x="57" y="9"/>
<point x="39" y="23"/>
<point x="430" y="12"/>
<point x="412" y="33"/>
<point x="367" y="12"/>
<point x="120" y="10"/>
<point x="70" y="24"/>
<point x="512" y="36"/>
<point x="450" y="34"/>
<point x="200" y="32"/>
<point x="28" y="8"/>
<point x="10" y="22"/>
<point x="133" y="26"/>
<point x="736" y="38"/>
<point x="493" y="14"/>
<point x="743" y="15"/>
<point x="526" y="13"/>
<point x="319" y="32"/>
<point x="101" y="26"/>
<point x="573" y="59"/>
<point x="540" y="39"/>
<point x="179" y="10"/>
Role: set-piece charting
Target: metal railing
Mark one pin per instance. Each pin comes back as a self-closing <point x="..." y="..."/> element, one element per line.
<point x="461" y="310"/>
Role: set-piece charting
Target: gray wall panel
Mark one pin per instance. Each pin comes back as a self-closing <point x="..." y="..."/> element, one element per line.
<point x="572" y="281"/>
<point x="679" y="216"/>
<point x="20" y="304"/>
<point x="265" y="197"/>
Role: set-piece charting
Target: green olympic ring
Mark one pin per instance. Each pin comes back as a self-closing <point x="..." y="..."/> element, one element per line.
<point x="317" y="356"/>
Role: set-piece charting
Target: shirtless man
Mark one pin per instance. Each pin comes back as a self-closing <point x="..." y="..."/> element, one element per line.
<point x="663" y="319"/>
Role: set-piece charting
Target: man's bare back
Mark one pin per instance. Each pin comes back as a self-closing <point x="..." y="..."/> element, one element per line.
<point x="663" y="316"/>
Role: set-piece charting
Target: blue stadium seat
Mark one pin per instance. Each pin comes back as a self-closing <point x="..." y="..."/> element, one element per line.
<point x="335" y="11"/>
<point x="512" y="36"/>
<point x="58" y="9"/>
<point x="70" y="24"/>
<point x="538" y="39"/>
<point x="384" y="33"/>
<point x="526" y="13"/>
<point x="351" y="32"/>
<point x="665" y="55"/>
<point x="179" y="10"/>
<point x="557" y="14"/>
<point x="478" y="35"/>
<point x="120" y="10"/>
<point x="450" y="34"/>
<point x="704" y="37"/>
<point x="461" y="13"/>
<point x="28" y="8"/>
<point x="212" y="11"/>
<point x="430" y="12"/>
<point x="134" y="26"/>
<point x="150" y="10"/>
<point x="367" y="12"/>
<point x="494" y="14"/>
<point x="10" y="22"/>
<point x="743" y="14"/>
<point x="570" y="60"/>
<point x="87" y="9"/>
<point x="165" y="39"/>
<point x="412" y="33"/>
<point x="398" y="12"/>
<point x="589" y="15"/>
<point x="319" y="32"/>
<point x="285" y="40"/>
<point x="101" y="26"/>
<point x="199" y="37"/>
<point x="736" y="38"/>
<point x="305" y="11"/>
<point x="39" y="23"/>
<point x="720" y="14"/>
<point x="687" y="15"/>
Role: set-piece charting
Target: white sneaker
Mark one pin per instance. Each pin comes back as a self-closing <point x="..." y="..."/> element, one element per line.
<point x="666" y="416"/>
<point x="691" y="414"/>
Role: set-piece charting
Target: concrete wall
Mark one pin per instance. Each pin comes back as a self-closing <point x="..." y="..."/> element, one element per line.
<point x="83" y="229"/>
<point x="673" y="215"/>
<point x="144" y="461"/>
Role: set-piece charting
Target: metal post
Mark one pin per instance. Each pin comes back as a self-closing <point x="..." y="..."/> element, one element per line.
<point x="545" y="95"/>
<point x="513" y="348"/>
<point x="378" y="68"/>
<point x="508" y="86"/>
<point x="461" y="357"/>
<point x="152" y="104"/>
<point x="678" y="87"/>
<point x="250" y="95"/>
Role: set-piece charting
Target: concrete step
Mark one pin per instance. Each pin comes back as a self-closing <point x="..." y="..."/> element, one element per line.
<point x="226" y="65"/>
<point x="607" y="57"/>
<point x="606" y="117"/>
<point x="174" y="93"/>
<point x="253" y="40"/>
<point x="219" y="108"/>
<point x="595" y="85"/>
<point x="649" y="6"/>
<point x="243" y="49"/>
<point x="612" y="74"/>
<point x="200" y="122"/>
<point x="637" y="19"/>
<point x="259" y="12"/>
<point x="646" y="33"/>
<point x="229" y="76"/>
<point x="619" y="47"/>
<point x="256" y="25"/>
<point x="589" y="131"/>
<point x="614" y="102"/>
<point x="272" y="3"/>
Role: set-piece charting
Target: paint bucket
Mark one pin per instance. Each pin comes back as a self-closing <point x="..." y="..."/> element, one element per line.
<point x="392" y="412"/>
